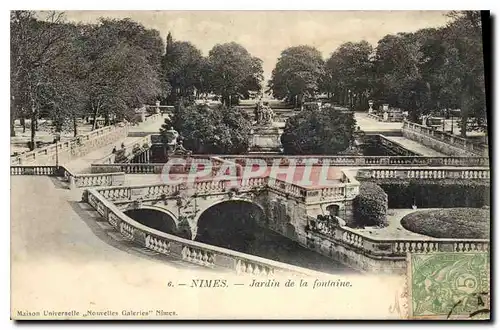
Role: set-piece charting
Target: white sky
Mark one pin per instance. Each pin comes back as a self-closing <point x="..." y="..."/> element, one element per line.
<point x="266" y="33"/>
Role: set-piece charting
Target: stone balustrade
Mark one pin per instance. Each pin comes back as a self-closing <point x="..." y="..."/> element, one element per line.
<point x="397" y="247"/>
<point x="74" y="180"/>
<point x="435" y="173"/>
<point x="131" y="168"/>
<point x="447" y="138"/>
<point x="153" y="117"/>
<point x="288" y="188"/>
<point x="34" y="170"/>
<point x="189" y="251"/>
<point x="129" y="149"/>
<point x="92" y="180"/>
<point x="77" y="147"/>
<point x="358" y="161"/>
<point x="374" y="116"/>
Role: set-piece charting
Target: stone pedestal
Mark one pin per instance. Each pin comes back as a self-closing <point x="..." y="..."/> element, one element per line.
<point x="265" y="139"/>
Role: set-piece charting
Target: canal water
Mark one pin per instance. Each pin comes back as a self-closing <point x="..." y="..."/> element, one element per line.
<point x="270" y="245"/>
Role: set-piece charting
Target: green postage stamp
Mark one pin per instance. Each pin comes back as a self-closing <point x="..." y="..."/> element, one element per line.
<point x="449" y="285"/>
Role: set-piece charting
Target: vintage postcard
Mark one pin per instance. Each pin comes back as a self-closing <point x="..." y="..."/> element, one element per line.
<point x="207" y="165"/>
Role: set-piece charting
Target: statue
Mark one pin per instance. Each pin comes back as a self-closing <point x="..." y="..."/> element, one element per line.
<point x="264" y="114"/>
<point x="171" y="138"/>
<point x="179" y="149"/>
<point x="174" y="143"/>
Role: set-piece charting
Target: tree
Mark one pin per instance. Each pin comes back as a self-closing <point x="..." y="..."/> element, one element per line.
<point x="35" y="44"/>
<point x="182" y="66"/>
<point x="464" y="67"/>
<point x="63" y="96"/>
<point x="208" y="130"/>
<point x="348" y="74"/>
<point x="327" y="132"/>
<point x="232" y="72"/>
<point x="297" y="74"/>
<point x="122" y="68"/>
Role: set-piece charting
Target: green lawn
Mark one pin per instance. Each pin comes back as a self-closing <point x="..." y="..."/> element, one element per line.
<point x="449" y="223"/>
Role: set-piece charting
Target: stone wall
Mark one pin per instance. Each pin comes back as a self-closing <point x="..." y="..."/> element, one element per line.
<point x="435" y="144"/>
<point x="353" y="258"/>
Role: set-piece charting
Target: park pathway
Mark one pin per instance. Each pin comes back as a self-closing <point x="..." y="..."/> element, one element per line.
<point x="58" y="242"/>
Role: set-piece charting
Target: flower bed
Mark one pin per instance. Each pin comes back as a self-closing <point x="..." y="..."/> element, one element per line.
<point x="450" y="223"/>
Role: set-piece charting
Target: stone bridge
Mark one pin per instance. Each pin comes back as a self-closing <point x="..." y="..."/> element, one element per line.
<point x="285" y="207"/>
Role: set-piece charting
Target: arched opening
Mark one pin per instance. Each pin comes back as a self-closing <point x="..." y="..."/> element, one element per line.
<point x="230" y="224"/>
<point x="234" y="225"/>
<point x="333" y="210"/>
<point x="154" y="219"/>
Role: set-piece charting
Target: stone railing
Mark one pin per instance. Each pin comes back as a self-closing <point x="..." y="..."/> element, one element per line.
<point x="157" y="168"/>
<point x="357" y="161"/>
<point x="447" y="138"/>
<point x="162" y="108"/>
<point x="129" y="148"/>
<point x="73" y="180"/>
<point x="34" y="170"/>
<point x="189" y="251"/>
<point x="288" y="188"/>
<point x="131" y="168"/>
<point x="153" y="117"/>
<point x="427" y="173"/>
<point x="397" y="247"/>
<point x="374" y="116"/>
<point x="92" y="180"/>
<point x="74" y="148"/>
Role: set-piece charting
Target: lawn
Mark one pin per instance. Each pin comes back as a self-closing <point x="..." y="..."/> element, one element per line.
<point x="449" y="223"/>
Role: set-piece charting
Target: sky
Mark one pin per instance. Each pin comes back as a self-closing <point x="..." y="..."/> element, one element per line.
<point x="265" y="34"/>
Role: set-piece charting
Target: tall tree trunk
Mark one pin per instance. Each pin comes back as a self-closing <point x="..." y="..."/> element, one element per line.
<point x="106" y="119"/>
<point x="75" y="126"/>
<point x="464" y="114"/>
<point x="12" y="126"/>
<point x="95" y="111"/>
<point x="33" y="128"/>
<point x="23" y="122"/>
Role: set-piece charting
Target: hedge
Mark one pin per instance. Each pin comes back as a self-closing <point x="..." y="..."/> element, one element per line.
<point x="424" y="195"/>
<point x="370" y="206"/>
<point x="450" y="223"/>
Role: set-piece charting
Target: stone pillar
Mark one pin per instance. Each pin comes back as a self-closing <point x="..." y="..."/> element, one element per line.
<point x="72" y="183"/>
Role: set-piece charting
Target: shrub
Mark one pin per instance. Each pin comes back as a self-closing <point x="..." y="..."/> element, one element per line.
<point x="449" y="223"/>
<point x="370" y="206"/>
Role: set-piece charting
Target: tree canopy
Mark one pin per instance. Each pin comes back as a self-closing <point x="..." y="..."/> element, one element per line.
<point x="232" y="71"/>
<point x="297" y="74"/>
<point x="62" y="71"/>
<point x="422" y="72"/>
<point x="314" y="132"/>
<point x="211" y="130"/>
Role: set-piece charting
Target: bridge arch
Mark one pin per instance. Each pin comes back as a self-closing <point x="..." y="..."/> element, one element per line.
<point x="233" y="199"/>
<point x="155" y="217"/>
